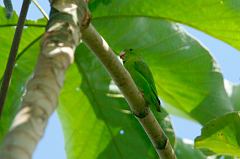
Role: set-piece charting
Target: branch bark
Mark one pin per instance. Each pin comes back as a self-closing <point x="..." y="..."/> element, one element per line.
<point x="57" y="51"/>
<point x="125" y="83"/>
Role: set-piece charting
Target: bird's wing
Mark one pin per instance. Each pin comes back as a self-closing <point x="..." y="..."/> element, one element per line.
<point x="144" y="70"/>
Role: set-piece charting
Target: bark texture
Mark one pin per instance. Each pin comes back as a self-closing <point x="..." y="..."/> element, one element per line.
<point x="41" y="98"/>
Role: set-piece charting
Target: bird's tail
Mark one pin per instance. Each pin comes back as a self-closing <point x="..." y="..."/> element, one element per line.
<point x="158" y="104"/>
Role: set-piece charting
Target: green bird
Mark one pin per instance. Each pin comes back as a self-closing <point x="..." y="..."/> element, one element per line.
<point x="141" y="75"/>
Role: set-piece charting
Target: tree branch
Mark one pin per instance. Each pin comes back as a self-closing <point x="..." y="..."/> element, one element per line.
<point x="134" y="98"/>
<point x="40" y="101"/>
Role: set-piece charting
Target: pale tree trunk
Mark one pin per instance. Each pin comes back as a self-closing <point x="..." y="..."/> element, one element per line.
<point x="41" y="98"/>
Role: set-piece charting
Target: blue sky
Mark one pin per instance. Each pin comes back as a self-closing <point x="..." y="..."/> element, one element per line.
<point x="228" y="58"/>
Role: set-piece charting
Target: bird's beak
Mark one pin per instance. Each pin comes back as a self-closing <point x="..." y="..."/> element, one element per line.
<point x="122" y="55"/>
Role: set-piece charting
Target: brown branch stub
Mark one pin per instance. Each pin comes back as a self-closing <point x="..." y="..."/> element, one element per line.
<point x="141" y="114"/>
<point x="86" y="1"/>
<point x="86" y="20"/>
<point x="86" y="15"/>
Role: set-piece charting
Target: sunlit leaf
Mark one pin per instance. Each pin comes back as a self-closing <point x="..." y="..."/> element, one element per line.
<point x="219" y="18"/>
<point x="221" y="135"/>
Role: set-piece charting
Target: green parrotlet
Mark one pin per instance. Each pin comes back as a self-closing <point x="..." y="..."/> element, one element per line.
<point x="141" y="75"/>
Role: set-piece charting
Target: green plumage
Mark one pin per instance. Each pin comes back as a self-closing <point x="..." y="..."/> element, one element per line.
<point x="142" y="76"/>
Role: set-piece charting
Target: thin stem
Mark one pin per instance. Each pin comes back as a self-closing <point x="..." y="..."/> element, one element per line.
<point x="41" y="9"/>
<point x="28" y="46"/>
<point x="13" y="53"/>
<point x="29" y="25"/>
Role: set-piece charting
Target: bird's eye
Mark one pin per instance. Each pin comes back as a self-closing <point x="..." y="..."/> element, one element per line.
<point x="130" y="49"/>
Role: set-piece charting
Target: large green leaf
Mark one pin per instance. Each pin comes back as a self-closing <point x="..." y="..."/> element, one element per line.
<point x="221" y="135"/>
<point x="185" y="150"/>
<point x="96" y="119"/>
<point x="185" y="73"/>
<point x="23" y="67"/>
<point x="220" y="18"/>
<point x="97" y="125"/>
